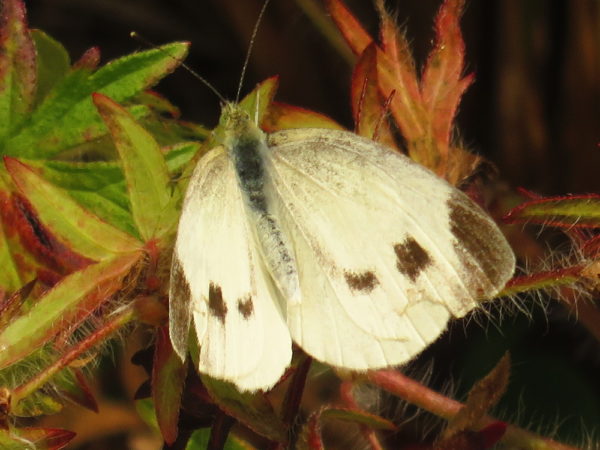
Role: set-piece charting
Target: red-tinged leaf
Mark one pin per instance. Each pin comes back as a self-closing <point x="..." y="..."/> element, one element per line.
<point x="4" y="408"/>
<point x="311" y="433"/>
<point x="21" y="401"/>
<point x="11" y="305"/>
<point x="77" y="294"/>
<point x="282" y="116"/>
<point x="398" y="78"/>
<point x="17" y="67"/>
<point x="52" y="63"/>
<point x="459" y="166"/>
<point x="294" y="392"/>
<point x="356" y="36"/>
<point x="38" y="403"/>
<point x="310" y="437"/>
<point x="17" y="262"/>
<point x="77" y="389"/>
<point x="359" y="417"/>
<point x="145" y="170"/>
<point x="400" y="61"/>
<point x="76" y="227"/>
<point x="10" y="279"/>
<point x="257" y="102"/>
<point x="168" y="377"/>
<point x="89" y="60"/>
<point x="369" y="114"/>
<point x="484" y="394"/>
<point x="441" y="83"/>
<point x="580" y="211"/>
<point x="38" y="438"/>
<point x="41" y="242"/>
<point x="56" y="439"/>
<point x="151" y="310"/>
<point x="492" y="433"/>
<point x="396" y="72"/>
<point x="67" y="117"/>
<point x="542" y="280"/>
<point x="591" y="247"/>
<point x="252" y="409"/>
<point x="464" y="440"/>
<point x="201" y="439"/>
<point x="159" y="103"/>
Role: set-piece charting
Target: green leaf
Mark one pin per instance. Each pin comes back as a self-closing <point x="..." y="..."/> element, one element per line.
<point x="67" y="116"/>
<point x="83" y="232"/>
<point x="17" y="67"/>
<point x="37" y="404"/>
<point x="252" y="409"/>
<point x="53" y="63"/>
<point x="73" y="384"/>
<point x="582" y="211"/>
<point x="145" y="409"/>
<point x="79" y="293"/>
<point x="542" y="280"/>
<point x="168" y="377"/>
<point x="9" y="275"/>
<point x="360" y="417"/>
<point x="179" y="155"/>
<point x="97" y="186"/>
<point x="38" y="438"/>
<point x="310" y="437"/>
<point x="100" y="186"/>
<point x="18" y="265"/>
<point x="49" y="130"/>
<point x="145" y="170"/>
<point x="199" y="439"/>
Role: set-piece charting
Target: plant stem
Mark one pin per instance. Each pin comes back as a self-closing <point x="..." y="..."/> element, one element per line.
<point x="447" y="408"/>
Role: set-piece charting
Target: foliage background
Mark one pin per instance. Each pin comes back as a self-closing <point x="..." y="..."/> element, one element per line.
<point x="533" y="111"/>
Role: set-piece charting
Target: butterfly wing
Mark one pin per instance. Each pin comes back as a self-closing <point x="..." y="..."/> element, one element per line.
<point x="219" y="282"/>
<point x="386" y="250"/>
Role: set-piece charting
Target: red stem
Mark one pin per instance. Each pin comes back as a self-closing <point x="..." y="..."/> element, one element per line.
<point x="447" y="408"/>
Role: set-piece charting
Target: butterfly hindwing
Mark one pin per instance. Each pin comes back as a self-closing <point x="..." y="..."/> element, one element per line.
<point x="388" y="250"/>
<point x="233" y="304"/>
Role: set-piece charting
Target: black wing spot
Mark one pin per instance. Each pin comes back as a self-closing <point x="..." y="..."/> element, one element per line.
<point x="216" y="305"/>
<point x="478" y="246"/>
<point x="364" y="282"/>
<point x="245" y="306"/>
<point x="180" y="293"/>
<point x="178" y="282"/>
<point x="411" y="258"/>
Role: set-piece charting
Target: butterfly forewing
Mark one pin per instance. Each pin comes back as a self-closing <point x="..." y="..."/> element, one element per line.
<point x="386" y="250"/>
<point x="234" y="306"/>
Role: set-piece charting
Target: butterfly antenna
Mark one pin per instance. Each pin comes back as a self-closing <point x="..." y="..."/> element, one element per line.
<point x="195" y="74"/>
<point x="250" y="46"/>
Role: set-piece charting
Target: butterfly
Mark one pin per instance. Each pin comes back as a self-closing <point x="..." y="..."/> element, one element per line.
<point x="326" y="239"/>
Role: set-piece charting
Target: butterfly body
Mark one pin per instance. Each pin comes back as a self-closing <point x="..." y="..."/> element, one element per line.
<point x="327" y="239"/>
<point x="247" y="147"/>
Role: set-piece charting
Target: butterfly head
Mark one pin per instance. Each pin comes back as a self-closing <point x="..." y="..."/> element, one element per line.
<point x="235" y="124"/>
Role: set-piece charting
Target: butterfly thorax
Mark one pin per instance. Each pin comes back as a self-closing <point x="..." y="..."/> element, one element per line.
<point x="247" y="147"/>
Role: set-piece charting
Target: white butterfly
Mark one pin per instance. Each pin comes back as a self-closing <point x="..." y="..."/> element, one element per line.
<point x="327" y="239"/>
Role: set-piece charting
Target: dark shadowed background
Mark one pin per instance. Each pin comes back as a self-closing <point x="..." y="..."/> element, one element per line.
<point x="534" y="109"/>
